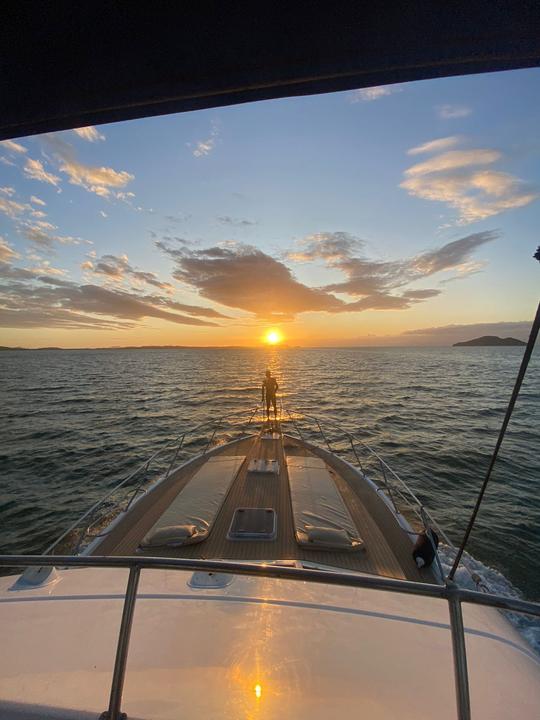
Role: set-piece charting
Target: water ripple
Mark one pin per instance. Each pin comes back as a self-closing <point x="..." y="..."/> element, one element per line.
<point x="75" y="422"/>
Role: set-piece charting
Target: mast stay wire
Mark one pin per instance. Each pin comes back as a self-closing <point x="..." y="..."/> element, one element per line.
<point x="517" y="386"/>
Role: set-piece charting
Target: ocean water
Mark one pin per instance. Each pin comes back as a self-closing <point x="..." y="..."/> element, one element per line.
<point x="74" y="422"/>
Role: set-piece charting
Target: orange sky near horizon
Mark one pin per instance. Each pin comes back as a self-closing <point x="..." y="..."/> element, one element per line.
<point x="372" y="328"/>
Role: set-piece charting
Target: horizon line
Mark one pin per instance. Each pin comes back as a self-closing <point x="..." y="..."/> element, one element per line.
<point x="6" y="348"/>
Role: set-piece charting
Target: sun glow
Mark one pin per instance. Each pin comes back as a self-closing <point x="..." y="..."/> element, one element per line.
<point x="273" y="337"/>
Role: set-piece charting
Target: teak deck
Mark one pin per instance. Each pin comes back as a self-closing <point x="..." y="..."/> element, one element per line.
<point x="388" y="550"/>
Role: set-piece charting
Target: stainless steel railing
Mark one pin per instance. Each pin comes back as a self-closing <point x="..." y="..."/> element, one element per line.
<point x="137" y="482"/>
<point x="86" y="527"/>
<point x="454" y="595"/>
<point x="403" y="499"/>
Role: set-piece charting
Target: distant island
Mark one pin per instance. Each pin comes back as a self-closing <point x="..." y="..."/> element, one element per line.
<point x="489" y="341"/>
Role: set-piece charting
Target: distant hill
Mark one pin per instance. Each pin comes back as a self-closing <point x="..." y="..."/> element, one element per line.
<point x="4" y="347"/>
<point x="489" y="340"/>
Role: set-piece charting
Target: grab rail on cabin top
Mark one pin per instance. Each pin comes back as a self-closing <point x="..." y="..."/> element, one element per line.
<point x="450" y="592"/>
<point x="93" y="516"/>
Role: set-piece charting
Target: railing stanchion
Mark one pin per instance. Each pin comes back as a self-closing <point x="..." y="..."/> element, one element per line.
<point x="460" y="656"/>
<point x="387" y="485"/>
<point x="295" y="426"/>
<point x="323" y="435"/>
<point x="124" y="635"/>
<point x="218" y="425"/>
<point x="356" y="454"/>
<point x="178" y="448"/>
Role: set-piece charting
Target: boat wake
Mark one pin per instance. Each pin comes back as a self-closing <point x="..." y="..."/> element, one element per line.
<point x="474" y="575"/>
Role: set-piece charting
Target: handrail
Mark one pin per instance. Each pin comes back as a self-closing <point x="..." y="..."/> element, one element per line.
<point x="402" y="491"/>
<point x="397" y="489"/>
<point x="354" y="441"/>
<point x="174" y="445"/>
<point x="282" y="572"/>
<point x="450" y="592"/>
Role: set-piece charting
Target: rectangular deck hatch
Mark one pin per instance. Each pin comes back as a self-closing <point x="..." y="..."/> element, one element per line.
<point x="253" y="524"/>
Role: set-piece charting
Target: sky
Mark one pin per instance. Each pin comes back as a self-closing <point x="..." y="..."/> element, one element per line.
<point x="398" y="215"/>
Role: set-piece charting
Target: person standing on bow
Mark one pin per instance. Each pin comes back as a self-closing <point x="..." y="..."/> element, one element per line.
<point x="269" y="389"/>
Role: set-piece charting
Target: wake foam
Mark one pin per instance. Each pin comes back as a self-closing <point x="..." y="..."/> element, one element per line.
<point x="474" y="575"/>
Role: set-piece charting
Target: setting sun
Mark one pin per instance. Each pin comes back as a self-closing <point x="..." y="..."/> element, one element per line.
<point x="273" y="337"/>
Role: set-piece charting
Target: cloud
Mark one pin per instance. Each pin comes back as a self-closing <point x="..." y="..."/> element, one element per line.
<point x="103" y="213"/>
<point x="333" y="248"/>
<point x="178" y="218"/>
<point x="45" y="268"/>
<point x="235" y="222"/>
<point x="13" y="146"/>
<point x="42" y="317"/>
<point x="125" y="196"/>
<point x="6" y="251"/>
<point x="421" y="294"/>
<point x="9" y="191"/>
<point x="37" y="201"/>
<point x="459" y="179"/>
<point x="40" y="233"/>
<point x="381" y="301"/>
<point x="196" y="310"/>
<point x="449" y="334"/>
<point x="89" y="133"/>
<point x="374" y="93"/>
<point x="436" y="145"/>
<point x="452" y="160"/>
<point x="34" y="170"/>
<point x="453" y="255"/>
<point x="205" y="147"/>
<point x="31" y="299"/>
<point x="443" y="336"/>
<point x="12" y="208"/>
<point x="375" y="278"/>
<point x="241" y="276"/>
<point x="465" y="270"/>
<point x="99" y="180"/>
<point x="449" y="112"/>
<point x="165" y="243"/>
<point x="117" y="269"/>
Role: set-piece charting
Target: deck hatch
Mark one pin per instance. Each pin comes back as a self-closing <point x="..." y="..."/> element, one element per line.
<point x="253" y="524"/>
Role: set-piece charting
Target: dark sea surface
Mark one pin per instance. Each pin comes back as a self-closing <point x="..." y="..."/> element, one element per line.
<point x="74" y="422"/>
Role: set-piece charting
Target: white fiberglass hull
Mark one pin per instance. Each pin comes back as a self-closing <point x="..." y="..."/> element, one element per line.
<point x="253" y="647"/>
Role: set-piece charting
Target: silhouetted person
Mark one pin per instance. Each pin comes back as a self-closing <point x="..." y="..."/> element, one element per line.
<point x="269" y="389"/>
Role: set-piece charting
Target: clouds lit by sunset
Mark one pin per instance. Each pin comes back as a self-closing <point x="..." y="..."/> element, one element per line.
<point x="399" y="215"/>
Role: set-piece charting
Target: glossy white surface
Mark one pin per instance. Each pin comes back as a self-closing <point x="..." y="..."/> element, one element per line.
<point x="257" y="648"/>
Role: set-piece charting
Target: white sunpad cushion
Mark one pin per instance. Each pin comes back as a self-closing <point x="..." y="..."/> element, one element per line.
<point x="321" y="517"/>
<point x="171" y="535"/>
<point x="196" y="505"/>
<point x="308" y="461"/>
<point x="331" y="537"/>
